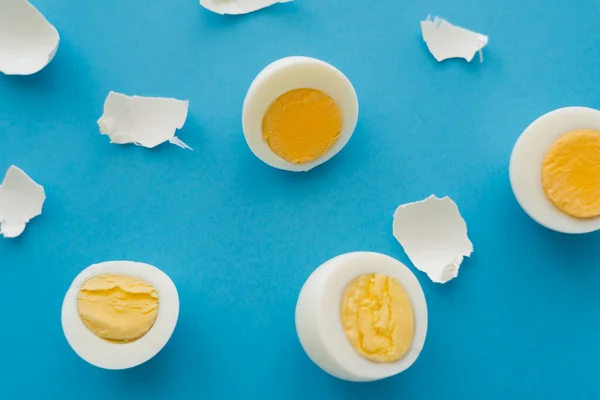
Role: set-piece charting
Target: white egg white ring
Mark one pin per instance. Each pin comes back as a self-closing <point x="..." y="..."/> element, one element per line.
<point x="319" y="326"/>
<point x="288" y="74"/>
<point x="108" y="355"/>
<point x="526" y="167"/>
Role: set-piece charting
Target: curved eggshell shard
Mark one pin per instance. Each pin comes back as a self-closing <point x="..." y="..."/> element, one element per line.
<point x="434" y="236"/>
<point x="28" y="42"/>
<point x="144" y="121"/>
<point x="236" y="7"/>
<point x="21" y="199"/>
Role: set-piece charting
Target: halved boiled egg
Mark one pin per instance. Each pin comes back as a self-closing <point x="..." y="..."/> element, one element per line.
<point x="120" y="314"/>
<point x="362" y="316"/>
<point x="555" y="170"/>
<point x="298" y="113"/>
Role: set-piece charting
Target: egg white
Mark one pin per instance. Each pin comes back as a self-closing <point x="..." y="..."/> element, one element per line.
<point x="319" y="325"/>
<point x="526" y="167"/>
<point x="108" y="355"/>
<point x="288" y="74"/>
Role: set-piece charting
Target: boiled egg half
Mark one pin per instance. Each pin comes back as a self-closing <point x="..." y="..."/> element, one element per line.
<point x="555" y="170"/>
<point x="298" y="113"/>
<point x="362" y="316"/>
<point x="120" y="314"/>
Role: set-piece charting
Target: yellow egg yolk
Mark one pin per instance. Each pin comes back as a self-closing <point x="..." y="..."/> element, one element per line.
<point x="378" y="318"/>
<point x="118" y="308"/>
<point x="571" y="173"/>
<point x="302" y="125"/>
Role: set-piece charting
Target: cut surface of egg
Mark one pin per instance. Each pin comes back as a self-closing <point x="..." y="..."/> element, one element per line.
<point x="362" y="317"/>
<point x="298" y="113"/>
<point x="120" y="314"/>
<point x="555" y="170"/>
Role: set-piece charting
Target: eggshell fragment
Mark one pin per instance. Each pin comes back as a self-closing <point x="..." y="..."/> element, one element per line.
<point x="434" y="236"/>
<point x="236" y="7"/>
<point x="445" y="40"/>
<point x="116" y="356"/>
<point x="144" y="121"/>
<point x="21" y="199"/>
<point x="28" y="42"/>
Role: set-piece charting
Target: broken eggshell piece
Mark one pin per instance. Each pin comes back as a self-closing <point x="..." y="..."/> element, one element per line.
<point x="445" y="40"/>
<point x="236" y="7"/>
<point x="144" y="121"/>
<point x="28" y="42"/>
<point x="434" y="236"/>
<point x="21" y="199"/>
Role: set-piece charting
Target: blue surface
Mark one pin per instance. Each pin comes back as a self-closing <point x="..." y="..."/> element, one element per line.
<point x="239" y="238"/>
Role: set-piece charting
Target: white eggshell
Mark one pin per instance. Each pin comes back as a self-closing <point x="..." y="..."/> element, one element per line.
<point x="28" y="42"/>
<point x="21" y="199"/>
<point x="144" y="121"/>
<point x="295" y="73"/>
<point x="445" y="40"/>
<point x="320" y="328"/>
<point x="526" y="167"/>
<point x="108" y="355"/>
<point x="236" y="7"/>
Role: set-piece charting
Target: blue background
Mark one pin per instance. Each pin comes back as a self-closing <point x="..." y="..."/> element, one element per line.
<point x="239" y="238"/>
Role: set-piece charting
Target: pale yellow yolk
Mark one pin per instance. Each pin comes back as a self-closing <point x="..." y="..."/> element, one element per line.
<point x="378" y="318"/>
<point x="571" y="174"/>
<point x="118" y="307"/>
<point x="302" y="125"/>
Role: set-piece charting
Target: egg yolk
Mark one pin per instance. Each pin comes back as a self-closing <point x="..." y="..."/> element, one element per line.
<point x="118" y="308"/>
<point x="378" y="318"/>
<point x="302" y="125"/>
<point x="571" y="173"/>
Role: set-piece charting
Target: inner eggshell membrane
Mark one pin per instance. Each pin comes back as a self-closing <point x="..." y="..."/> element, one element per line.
<point x="118" y="308"/>
<point x="571" y="173"/>
<point x="378" y="318"/>
<point x="302" y="125"/>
